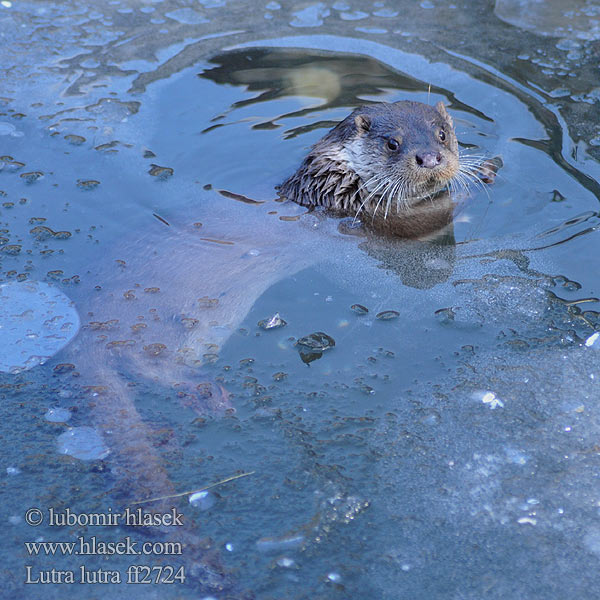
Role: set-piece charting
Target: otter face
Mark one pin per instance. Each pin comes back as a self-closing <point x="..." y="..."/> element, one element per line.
<point x="382" y="159"/>
<point x="402" y="152"/>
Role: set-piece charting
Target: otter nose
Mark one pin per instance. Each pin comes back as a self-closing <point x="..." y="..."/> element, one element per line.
<point x="428" y="160"/>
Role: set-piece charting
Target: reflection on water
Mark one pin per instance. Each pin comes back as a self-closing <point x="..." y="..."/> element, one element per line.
<point x="319" y="81"/>
<point x="437" y="452"/>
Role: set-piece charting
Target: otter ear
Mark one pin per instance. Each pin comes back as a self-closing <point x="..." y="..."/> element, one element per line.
<point x="441" y="108"/>
<point x="362" y="122"/>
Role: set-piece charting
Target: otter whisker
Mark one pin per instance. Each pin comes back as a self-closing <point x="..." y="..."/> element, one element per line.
<point x="460" y="180"/>
<point x="407" y="191"/>
<point x="396" y="194"/>
<point x="393" y="192"/>
<point x="466" y="156"/>
<point x="374" y="193"/>
<point x="472" y="176"/>
<point x="384" y="196"/>
<point x="376" y="208"/>
<point x="473" y="157"/>
<point x="470" y="170"/>
<point x="377" y="181"/>
<point x="478" y="163"/>
<point x="463" y="181"/>
<point x="381" y="183"/>
<point x="474" y="162"/>
<point x="375" y="178"/>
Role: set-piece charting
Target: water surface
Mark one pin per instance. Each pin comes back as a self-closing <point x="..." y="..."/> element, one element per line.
<point x="448" y="453"/>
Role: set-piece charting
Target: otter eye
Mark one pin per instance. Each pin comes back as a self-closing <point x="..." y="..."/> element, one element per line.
<point x="393" y="144"/>
<point x="442" y="135"/>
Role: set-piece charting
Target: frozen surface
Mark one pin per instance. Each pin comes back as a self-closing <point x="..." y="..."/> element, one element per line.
<point x="36" y="321"/>
<point x="448" y="453"/>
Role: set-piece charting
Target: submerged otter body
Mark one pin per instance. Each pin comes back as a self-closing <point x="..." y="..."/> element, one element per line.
<point x="180" y="294"/>
<point x="385" y="161"/>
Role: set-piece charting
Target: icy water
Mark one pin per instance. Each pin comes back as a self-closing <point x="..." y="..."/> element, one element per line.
<point x="450" y="452"/>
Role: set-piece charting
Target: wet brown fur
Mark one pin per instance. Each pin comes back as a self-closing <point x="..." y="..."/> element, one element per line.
<point x="353" y="170"/>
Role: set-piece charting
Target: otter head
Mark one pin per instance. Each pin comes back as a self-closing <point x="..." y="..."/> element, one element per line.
<point x="402" y="152"/>
<point x="382" y="159"/>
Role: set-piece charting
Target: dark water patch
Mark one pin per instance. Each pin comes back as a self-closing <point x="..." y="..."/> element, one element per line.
<point x="335" y="80"/>
<point x="238" y="197"/>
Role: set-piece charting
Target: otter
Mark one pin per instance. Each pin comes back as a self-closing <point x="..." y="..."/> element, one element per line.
<point x="386" y="161"/>
<point x="174" y="300"/>
<point x="392" y="162"/>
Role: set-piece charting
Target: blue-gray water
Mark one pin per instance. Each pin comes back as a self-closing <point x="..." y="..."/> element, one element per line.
<point x="449" y="453"/>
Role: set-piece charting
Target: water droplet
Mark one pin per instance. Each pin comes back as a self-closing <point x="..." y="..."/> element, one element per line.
<point x="41" y="233"/>
<point x="119" y="344"/>
<point x="387" y="315"/>
<point x="13" y="165"/>
<point x="318" y="341"/>
<point x="272" y="322"/>
<point x="189" y="323"/>
<point x="206" y="302"/>
<point x="87" y="184"/>
<point x="154" y="349"/>
<point x="160" y="172"/>
<point x="359" y="309"/>
<point x="76" y="140"/>
<point x="32" y="176"/>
